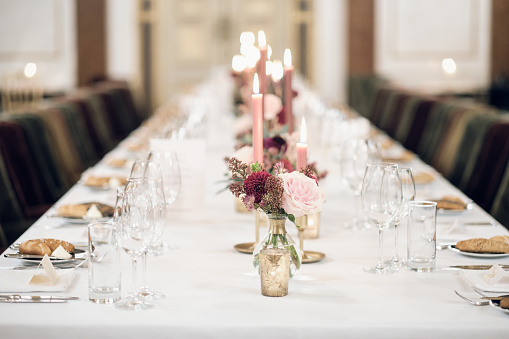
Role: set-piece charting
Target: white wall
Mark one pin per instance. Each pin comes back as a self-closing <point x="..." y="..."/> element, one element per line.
<point x="330" y="34"/>
<point x="122" y="39"/>
<point x="43" y="32"/>
<point x="413" y="37"/>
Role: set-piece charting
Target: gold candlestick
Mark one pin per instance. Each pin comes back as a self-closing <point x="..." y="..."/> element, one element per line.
<point x="308" y="257"/>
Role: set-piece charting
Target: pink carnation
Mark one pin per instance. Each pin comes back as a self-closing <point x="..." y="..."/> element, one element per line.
<point x="301" y="195"/>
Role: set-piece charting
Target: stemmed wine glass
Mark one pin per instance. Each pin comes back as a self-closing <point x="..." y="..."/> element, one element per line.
<point x="381" y="197"/>
<point x="355" y="155"/>
<point x="150" y="170"/>
<point x="136" y="226"/>
<point x="170" y="170"/>
<point x="408" y="189"/>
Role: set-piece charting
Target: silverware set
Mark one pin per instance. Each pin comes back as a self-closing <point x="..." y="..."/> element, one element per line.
<point x="18" y="298"/>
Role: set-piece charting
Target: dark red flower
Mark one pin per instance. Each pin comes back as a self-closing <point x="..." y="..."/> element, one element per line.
<point x="275" y="142"/>
<point x="255" y="185"/>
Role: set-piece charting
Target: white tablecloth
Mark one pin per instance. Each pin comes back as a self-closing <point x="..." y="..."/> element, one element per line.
<point x="212" y="291"/>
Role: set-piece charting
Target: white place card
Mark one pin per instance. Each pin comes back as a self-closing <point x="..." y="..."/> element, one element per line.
<point x="191" y="157"/>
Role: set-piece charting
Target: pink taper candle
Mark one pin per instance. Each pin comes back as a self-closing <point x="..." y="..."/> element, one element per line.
<point x="262" y="63"/>
<point x="288" y="70"/>
<point x="302" y="147"/>
<point x="257" y="104"/>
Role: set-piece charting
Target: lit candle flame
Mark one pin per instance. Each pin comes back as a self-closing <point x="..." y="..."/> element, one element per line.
<point x="239" y="63"/>
<point x="288" y="58"/>
<point x="247" y="38"/>
<point x="269" y="52"/>
<point x="277" y="70"/>
<point x="268" y="67"/>
<point x="256" y="85"/>
<point x="303" y="134"/>
<point x="261" y="39"/>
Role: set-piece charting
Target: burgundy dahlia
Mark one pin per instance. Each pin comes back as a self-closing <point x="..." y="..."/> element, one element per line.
<point x="276" y="142"/>
<point x="255" y="185"/>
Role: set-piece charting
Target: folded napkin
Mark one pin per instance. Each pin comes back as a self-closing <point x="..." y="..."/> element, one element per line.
<point x="14" y="281"/>
<point x="44" y="280"/>
<point x="476" y="279"/>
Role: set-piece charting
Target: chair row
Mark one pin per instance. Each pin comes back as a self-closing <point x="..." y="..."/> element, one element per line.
<point x="467" y="142"/>
<point x="44" y="150"/>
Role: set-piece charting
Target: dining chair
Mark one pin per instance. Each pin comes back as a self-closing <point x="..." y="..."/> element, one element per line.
<point x="500" y="208"/>
<point x="22" y="170"/>
<point x="470" y="148"/>
<point x="490" y="166"/>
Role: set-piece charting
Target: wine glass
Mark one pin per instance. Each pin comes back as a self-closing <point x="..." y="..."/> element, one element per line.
<point x="381" y="197"/>
<point x="355" y="155"/>
<point x="135" y="232"/>
<point x="170" y="170"/>
<point x="148" y="169"/>
<point x="408" y="189"/>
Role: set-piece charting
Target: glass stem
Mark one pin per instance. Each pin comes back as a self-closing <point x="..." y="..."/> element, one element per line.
<point x="144" y="271"/>
<point x="380" y="247"/>
<point x="396" y="237"/>
<point x="357" y="220"/>
<point x="135" y="278"/>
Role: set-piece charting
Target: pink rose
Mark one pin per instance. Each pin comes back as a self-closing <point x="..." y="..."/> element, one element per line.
<point x="301" y="195"/>
<point x="272" y="106"/>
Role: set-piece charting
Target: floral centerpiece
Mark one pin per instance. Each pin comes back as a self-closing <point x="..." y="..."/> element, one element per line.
<point x="280" y="195"/>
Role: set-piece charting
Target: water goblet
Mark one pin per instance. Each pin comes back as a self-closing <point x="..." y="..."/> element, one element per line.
<point x="408" y="190"/>
<point x="170" y="171"/>
<point x="135" y="232"/>
<point x="150" y="170"/>
<point x="355" y="155"/>
<point x="381" y="198"/>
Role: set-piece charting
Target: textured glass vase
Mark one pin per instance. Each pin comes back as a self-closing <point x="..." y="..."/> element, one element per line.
<point x="277" y="237"/>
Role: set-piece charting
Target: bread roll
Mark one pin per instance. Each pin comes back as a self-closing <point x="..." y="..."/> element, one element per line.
<point x="481" y="245"/>
<point x="504" y="303"/>
<point x="72" y="210"/>
<point x="501" y="238"/>
<point x="451" y="203"/>
<point x="44" y="246"/>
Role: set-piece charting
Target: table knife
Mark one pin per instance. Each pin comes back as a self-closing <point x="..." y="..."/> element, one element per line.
<point x="23" y="301"/>
<point x="35" y="297"/>
<point x="474" y="267"/>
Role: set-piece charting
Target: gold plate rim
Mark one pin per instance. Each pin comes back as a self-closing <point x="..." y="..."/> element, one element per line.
<point x="246" y="247"/>
<point x="312" y="257"/>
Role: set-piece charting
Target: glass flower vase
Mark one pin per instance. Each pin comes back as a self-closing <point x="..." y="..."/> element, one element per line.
<point x="277" y="237"/>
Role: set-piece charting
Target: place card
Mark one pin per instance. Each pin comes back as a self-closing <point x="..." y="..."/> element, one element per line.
<point x="50" y="277"/>
<point x="191" y="157"/>
<point x="494" y="274"/>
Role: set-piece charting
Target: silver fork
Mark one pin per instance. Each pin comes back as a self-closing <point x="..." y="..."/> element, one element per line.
<point x="473" y="302"/>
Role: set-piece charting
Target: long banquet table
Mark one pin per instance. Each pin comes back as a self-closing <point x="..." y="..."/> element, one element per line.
<point x="212" y="291"/>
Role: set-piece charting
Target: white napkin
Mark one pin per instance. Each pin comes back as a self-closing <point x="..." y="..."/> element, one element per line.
<point x="476" y="279"/>
<point x="17" y="281"/>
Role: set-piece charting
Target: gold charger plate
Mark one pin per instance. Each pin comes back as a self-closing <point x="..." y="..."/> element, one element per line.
<point x="312" y="256"/>
<point x="246" y="247"/>
<point x="423" y="178"/>
<point x="405" y="157"/>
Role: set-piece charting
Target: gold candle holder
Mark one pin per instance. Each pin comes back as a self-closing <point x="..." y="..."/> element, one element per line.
<point x="274" y="271"/>
<point x="308" y="257"/>
<point x="313" y="226"/>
